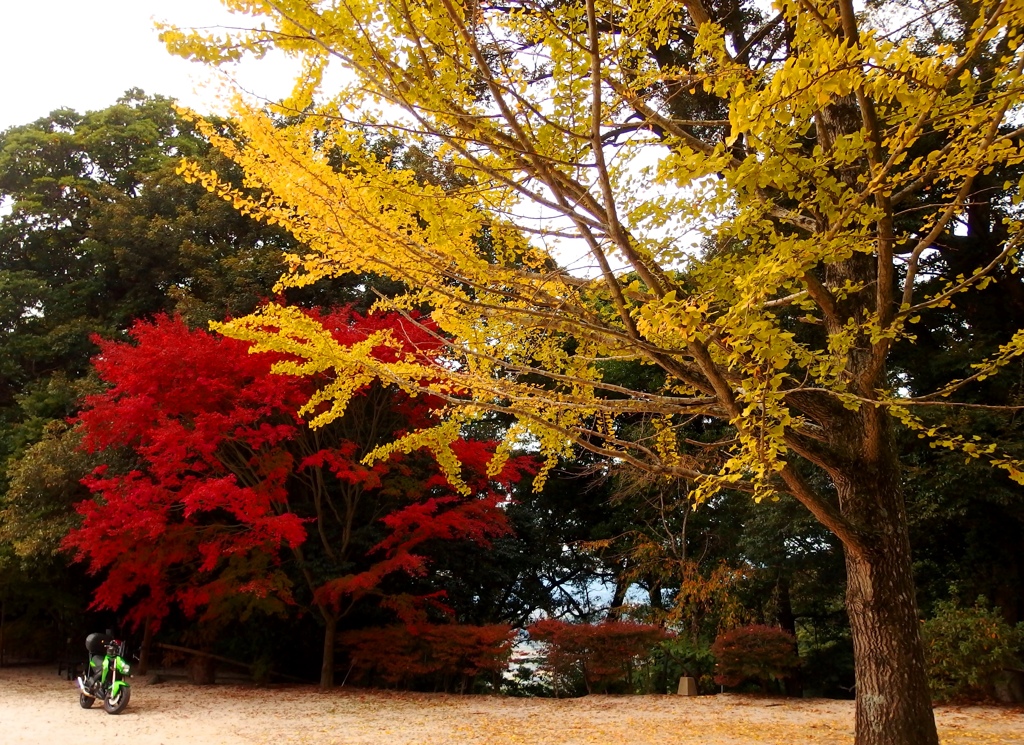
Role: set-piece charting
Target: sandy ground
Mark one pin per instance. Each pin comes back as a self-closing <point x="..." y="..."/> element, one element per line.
<point x="39" y="708"/>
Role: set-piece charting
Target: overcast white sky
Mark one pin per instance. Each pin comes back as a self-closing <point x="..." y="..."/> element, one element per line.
<point x="85" y="53"/>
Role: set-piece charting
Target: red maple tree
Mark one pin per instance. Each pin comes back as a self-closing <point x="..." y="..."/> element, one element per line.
<point x="228" y="480"/>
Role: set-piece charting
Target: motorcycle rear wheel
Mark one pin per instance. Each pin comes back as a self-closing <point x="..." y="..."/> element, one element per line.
<point x="115" y="704"/>
<point x="85" y="702"/>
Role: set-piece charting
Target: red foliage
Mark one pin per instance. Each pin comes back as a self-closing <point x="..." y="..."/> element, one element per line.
<point x="421" y="654"/>
<point x="601" y="654"/>
<point x="759" y="653"/>
<point x="222" y="459"/>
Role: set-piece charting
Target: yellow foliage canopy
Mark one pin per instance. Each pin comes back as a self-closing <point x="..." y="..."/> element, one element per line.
<point x="588" y="222"/>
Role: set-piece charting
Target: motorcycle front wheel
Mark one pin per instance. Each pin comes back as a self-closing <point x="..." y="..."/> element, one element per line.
<point x="115" y="704"/>
<point x="85" y="702"/>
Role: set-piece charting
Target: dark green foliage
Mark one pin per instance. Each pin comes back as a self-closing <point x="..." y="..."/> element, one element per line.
<point x="99" y="230"/>
<point x="966" y="520"/>
<point x="968" y="648"/>
<point x="967" y="524"/>
<point x="102" y="231"/>
<point x="681" y="656"/>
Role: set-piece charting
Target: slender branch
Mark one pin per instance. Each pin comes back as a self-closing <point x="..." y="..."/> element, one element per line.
<point x="827" y="514"/>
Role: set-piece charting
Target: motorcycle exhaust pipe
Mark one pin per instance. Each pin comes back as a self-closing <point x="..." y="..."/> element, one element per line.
<point x="81" y="685"/>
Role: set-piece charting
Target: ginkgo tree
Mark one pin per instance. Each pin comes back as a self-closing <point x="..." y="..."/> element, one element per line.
<point x="743" y="199"/>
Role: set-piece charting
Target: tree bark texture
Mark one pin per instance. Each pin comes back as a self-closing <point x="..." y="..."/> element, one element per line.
<point x="893" y="704"/>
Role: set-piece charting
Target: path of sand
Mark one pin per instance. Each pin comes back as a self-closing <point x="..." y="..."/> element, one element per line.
<point x="39" y="708"/>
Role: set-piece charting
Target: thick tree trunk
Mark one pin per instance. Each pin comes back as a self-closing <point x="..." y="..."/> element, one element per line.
<point x="893" y="702"/>
<point x="330" y="639"/>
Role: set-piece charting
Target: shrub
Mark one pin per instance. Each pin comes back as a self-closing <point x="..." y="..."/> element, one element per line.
<point x="445" y="656"/>
<point x="967" y="648"/>
<point x="759" y="653"/>
<point x="601" y="656"/>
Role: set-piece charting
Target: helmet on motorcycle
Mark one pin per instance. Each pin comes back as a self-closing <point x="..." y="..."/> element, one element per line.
<point x="96" y="643"/>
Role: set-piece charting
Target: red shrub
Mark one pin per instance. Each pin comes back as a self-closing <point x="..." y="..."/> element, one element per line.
<point x="601" y="654"/>
<point x="441" y="655"/>
<point x="759" y="653"/>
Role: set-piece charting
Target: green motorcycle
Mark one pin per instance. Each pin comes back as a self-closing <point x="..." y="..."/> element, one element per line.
<point x="107" y="677"/>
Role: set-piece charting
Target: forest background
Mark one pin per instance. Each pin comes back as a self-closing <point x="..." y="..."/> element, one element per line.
<point x="102" y="232"/>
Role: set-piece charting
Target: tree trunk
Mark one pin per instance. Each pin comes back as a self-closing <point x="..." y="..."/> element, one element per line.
<point x="202" y="670"/>
<point x="786" y="619"/>
<point x="147" y="645"/>
<point x="654" y="592"/>
<point x="793" y="685"/>
<point x="619" y="596"/>
<point x="330" y="639"/>
<point x="893" y="702"/>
